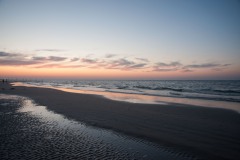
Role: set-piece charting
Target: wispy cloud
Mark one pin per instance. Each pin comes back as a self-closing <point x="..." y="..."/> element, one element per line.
<point x="205" y="65"/>
<point x="177" y="66"/>
<point x="112" y="62"/>
<point x="110" y="55"/>
<point x="39" y="58"/>
<point x="167" y="67"/>
<point x="142" y="59"/>
<point x="11" y="55"/>
<point x="49" y="50"/>
<point x="119" y="64"/>
<point x="50" y="58"/>
<point x="15" y="62"/>
<point x="225" y="65"/>
<point x="72" y="66"/>
<point x="74" y="59"/>
<point x="47" y="66"/>
<point x="90" y="55"/>
<point x="136" y="66"/>
<point x="6" y="54"/>
<point x="212" y="66"/>
<point x="124" y="64"/>
<point x="58" y="66"/>
<point x="13" y="59"/>
<point x="187" y="70"/>
<point x="56" y="58"/>
<point x="88" y="60"/>
<point x="172" y="64"/>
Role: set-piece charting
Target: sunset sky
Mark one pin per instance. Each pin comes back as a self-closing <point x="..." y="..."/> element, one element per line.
<point x="120" y="39"/>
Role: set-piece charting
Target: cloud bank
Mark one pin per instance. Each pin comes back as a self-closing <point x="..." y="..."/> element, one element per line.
<point x="109" y="61"/>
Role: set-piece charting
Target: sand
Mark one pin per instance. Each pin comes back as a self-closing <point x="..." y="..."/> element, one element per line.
<point x="209" y="132"/>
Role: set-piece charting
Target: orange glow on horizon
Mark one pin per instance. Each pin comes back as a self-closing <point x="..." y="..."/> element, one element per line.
<point x="89" y="73"/>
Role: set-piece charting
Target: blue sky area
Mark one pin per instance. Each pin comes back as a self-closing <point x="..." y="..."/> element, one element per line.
<point x="204" y="33"/>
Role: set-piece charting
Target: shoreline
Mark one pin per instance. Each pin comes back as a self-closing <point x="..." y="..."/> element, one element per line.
<point x="210" y="132"/>
<point x="146" y="99"/>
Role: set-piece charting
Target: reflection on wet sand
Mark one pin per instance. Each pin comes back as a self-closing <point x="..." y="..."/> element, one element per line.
<point x="29" y="131"/>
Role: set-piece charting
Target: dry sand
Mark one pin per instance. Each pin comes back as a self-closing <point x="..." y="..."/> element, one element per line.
<point x="211" y="133"/>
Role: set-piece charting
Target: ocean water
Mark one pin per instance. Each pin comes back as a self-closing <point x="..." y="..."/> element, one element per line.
<point x="228" y="91"/>
<point x="30" y="131"/>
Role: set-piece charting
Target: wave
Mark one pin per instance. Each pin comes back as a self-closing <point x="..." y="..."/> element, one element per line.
<point x="215" y="90"/>
<point x="161" y="88"/>
<point x="227" y="91"/>
<point x="122" y="87"/>
<point x="170" y="89"/>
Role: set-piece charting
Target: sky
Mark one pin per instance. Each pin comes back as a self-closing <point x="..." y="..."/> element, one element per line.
<point x="120" y="39"/>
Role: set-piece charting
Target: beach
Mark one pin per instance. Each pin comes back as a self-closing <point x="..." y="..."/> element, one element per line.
<point x="210" y="133"/>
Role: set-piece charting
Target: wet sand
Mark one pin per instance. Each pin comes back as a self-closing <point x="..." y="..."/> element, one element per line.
<point x="208" y="132"/>
<point x="30" y="131"/>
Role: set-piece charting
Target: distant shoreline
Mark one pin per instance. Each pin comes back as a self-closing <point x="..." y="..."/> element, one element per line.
<point x="210" y="132"/>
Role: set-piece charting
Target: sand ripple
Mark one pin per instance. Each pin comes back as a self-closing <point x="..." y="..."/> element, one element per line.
<point x="29" y="131"/>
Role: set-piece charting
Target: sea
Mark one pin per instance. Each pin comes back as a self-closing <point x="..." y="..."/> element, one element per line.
<point x="208" y="93"/>
<point x="197" y="89"/>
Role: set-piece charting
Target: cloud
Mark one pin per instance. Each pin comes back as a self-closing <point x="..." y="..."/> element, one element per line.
<point x="213" y="66"/>
<point x="10" y="55"/>
<point x="50" y="58"/>
<point x="172" y="64"/>
<point x="15" y="62"/>
<point x="58" y="66"/>
<point x="5" y="54"/>
<point x="123" y="62"/>
<point x="225" y="65"/>
<point x="110" y="55"/>
<point x="50" y="50"/>
<point x="88" y="60"/>
<point x="119" y="64"/>
<point x="13" y="59"/>
<point x="218" y="69"/>
<point x="165" y="69"/>
<point x="72" y="66"/>
<point x="143" y="59"/>
<point x="140" y="65"/>
<point x="135" y="66"/>
<point x="39" y="58"/>
<point x="74" y="59"/>
<point x="56" y="58"/>
<point x="48" y="66"/>
<point x="187" y="70"/>
<point x="89" y="55"/>
<point x="205" y="65"/>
